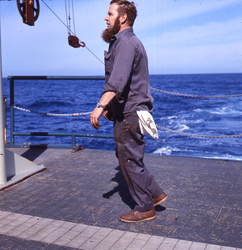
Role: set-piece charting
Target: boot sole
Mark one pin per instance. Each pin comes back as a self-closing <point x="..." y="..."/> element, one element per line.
<point x="161" y="201"/>
<point x="148" y="218"/>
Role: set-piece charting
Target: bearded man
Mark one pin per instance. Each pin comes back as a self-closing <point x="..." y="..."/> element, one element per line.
<point x="128" y="102"/>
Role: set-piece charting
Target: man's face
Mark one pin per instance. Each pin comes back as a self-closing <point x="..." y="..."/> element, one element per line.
<point x="112" y="15"/>
<point x="113" y="23"/>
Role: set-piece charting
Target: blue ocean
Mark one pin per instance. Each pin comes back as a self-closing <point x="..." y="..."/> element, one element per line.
<point x="183" y="114"/>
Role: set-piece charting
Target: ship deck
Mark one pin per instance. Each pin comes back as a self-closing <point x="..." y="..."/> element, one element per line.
<point x="75" y="203"/>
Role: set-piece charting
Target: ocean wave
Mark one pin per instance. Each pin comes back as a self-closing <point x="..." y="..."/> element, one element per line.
<point x="198" y="121"/>
<point x="221" y="111"/>
<point x="225" y="157"/>
<point x="166" y="150"/>
<point x="195" y="116"/>
<point x="196" y="153"/>
<point x="181" y="127"/>
<point x="172" y="117"/>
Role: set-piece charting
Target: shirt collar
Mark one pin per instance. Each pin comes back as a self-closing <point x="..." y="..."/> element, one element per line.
<point x="121" y="33"/>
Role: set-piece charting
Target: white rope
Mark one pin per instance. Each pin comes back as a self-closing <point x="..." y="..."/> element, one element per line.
<point x="52" y="114"/>
<point x="166" y="129"/>
<point x="196" y="96"/>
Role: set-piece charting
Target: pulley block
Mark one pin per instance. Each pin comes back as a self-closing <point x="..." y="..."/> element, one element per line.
<point x="29" y="10"/>
<point x="74" y="42"/>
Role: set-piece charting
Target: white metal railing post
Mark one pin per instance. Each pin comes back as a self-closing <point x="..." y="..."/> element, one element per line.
<point x="3" y="172"/>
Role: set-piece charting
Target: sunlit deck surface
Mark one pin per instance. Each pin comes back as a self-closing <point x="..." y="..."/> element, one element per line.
<point x="76" y="203"/>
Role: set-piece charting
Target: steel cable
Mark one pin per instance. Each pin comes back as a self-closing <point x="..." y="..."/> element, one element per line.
<point x="71" y="31"/>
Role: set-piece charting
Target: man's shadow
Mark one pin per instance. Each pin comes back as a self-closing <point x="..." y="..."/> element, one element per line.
<point x="123" y="191"/>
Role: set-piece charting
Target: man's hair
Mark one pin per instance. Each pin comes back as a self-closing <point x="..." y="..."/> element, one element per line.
<point x="128" y="8"/>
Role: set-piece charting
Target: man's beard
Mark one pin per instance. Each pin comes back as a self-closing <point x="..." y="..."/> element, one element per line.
<point x="109" y="32"/>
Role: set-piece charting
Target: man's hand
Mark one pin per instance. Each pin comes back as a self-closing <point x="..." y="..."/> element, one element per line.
<point x="96" y="113"/>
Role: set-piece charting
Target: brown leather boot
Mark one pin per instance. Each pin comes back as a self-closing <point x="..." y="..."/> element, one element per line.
<point x="160" y="199"/>
<point x="136" y="216"/>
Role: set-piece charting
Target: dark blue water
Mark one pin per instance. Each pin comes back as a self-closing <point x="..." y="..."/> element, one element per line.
<point x="202" y="116"/>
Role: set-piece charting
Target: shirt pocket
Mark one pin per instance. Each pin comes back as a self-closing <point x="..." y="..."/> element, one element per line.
<point x="108" y="63"/>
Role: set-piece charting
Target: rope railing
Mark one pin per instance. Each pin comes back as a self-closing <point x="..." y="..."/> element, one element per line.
<point x="51" y="114"/>
<point x="196" y="96"/>
<point x="194" y="135"/>
<point x="163" y="128"/>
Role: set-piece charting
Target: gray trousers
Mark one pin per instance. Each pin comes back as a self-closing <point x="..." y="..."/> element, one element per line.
<point x="130" y="148"/>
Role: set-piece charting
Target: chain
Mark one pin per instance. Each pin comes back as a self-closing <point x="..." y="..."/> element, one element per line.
<point x="167" y="129"/>
<point x="51" y="114"/>
<point x="205" y="136"/>
<point x="196" y="96"/>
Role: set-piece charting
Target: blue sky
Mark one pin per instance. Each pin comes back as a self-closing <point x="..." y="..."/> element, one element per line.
<point x="180" y="36"/>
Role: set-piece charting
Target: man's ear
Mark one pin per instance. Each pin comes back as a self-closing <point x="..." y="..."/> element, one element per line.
<point x="123" y="18"/>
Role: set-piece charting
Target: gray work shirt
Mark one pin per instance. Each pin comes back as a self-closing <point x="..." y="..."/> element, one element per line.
<point x="127" y="74"/>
